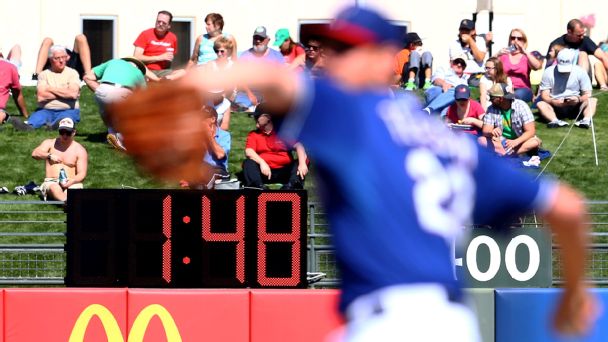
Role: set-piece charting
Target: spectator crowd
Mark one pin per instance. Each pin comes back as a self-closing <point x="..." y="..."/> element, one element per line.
<point x="501" y="117"/>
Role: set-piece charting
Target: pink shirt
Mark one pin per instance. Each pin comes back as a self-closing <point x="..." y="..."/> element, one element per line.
<point x="475" y="111"/>
<point x="9" y="79"/>
<point x="519" y="73"/>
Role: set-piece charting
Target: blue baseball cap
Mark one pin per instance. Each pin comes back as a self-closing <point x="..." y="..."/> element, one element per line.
<point x="357" y="26"/>
<point x="462" y="92"/>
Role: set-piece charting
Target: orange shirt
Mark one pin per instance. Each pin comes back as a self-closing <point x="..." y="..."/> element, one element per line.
<point x="401" y="60"/>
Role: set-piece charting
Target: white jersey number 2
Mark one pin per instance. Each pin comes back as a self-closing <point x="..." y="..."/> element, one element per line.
<point x="442" y="194"/>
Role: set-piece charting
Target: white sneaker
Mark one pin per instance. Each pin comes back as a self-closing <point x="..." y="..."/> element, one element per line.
<point x="557" y="123"/>
<point x="584" y="123"/>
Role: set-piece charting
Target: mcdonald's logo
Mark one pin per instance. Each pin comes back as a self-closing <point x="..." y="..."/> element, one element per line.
<point x="112" y="329"/>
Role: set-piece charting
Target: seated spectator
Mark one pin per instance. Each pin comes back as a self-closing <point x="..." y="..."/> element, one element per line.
<point x="157" y="46"/>
<point x="419" y="64"/>
<point x="9" y="85"/>
<point x="465" y="111"/>
<point x="292" y="52"/>
<point x="566" y="92"/>
<point x="62" y="153"/>
<point x="441" y="94"/>
<point x="471" y="48"/>
<point x="600" y="71"/>
<point x="79" y="57"/>
<point x="269" y="160"/>
<point x="259" y="51"/>
<point x="494" y="74"/>
<point x="114" y="81"/>
<point x="584" y="47"/>
<point x="57" y="91"/>
<point x="224" y="49"/>
<point x="508" y="126"/>
<point x="518" y="63"/>
<point x="399" y="66"/>
<point x="204" y="46"/>
<point x="313" y="62"/>
<point x="222" y="107"/>
<point x="219" y="142"/>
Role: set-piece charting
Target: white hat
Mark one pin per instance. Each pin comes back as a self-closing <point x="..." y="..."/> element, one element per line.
<point x="564" y="60"/>
<point x="66" y="124"/>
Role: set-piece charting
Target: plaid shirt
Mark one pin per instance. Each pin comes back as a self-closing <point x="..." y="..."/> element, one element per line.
<point x="520" y="115"/>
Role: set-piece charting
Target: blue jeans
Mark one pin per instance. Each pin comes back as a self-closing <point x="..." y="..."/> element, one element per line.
<point x="524" y="94"/>
<point x="437" y="100"/>
<point x="417" y="63"/>
<point x="49" y="117"/>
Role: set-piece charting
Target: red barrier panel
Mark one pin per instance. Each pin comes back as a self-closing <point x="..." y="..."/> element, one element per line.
<point x="293" y="315"/>
<point x="194" y="315"/>
<point x="65" y="314"/>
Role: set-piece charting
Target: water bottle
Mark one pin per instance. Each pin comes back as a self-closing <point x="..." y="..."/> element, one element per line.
<point x="63" y="177"/>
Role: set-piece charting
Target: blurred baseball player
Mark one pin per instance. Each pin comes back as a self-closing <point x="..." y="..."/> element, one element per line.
<point x="397" y="187"/>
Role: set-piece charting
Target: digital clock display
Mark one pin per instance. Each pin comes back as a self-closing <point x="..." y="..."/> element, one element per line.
<point x="189" y="239"/>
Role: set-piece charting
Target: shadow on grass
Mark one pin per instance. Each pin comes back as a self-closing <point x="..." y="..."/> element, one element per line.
<point x="99" y="137"/>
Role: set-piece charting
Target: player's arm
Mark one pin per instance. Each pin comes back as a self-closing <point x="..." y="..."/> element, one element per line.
<point x="567" y="217"/>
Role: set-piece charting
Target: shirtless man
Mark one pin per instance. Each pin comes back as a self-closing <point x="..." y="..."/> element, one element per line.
<point x="62" y="153"/>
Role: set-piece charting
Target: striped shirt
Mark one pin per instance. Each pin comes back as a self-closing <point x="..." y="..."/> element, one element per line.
<point x="520" y="115"/>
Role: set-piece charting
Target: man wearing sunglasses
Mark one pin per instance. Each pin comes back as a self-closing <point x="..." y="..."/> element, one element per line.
<point x="62" y="153"/>
<point x="576" y="39"/>
<point x="314" y="57"/>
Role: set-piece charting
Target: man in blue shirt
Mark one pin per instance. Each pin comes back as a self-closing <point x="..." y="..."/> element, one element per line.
<point x="397" y="186"/>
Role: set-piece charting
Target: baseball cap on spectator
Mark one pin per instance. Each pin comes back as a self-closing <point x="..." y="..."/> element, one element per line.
<point x="499" y="90"/>
<point x="260" y="31"/>
<point x="139" y="64"/>
<point x="462" y="92"/>
<point x="564" y="60"/>
<point x="412" y="37"/>
<point x="281" y="36"/>
<point x="66" y="124"/>
<point x="460" y="61"/>
<point x="467" y="24"/>
<point x="356" y="26"/>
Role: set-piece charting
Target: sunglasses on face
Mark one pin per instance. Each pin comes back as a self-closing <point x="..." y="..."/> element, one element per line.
<point x="517" y="38"/>
<point x="220" y="51"/>
<point x="312" y="47"/>
<point x="64" y="132"/>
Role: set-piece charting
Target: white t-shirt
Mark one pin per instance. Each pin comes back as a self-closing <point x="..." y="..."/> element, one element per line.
<point x="457" y="51"/>
<point x="563" y="85"/>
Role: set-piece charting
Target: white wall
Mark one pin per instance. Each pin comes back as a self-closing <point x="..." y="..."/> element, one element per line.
<point x="27" y="22"/>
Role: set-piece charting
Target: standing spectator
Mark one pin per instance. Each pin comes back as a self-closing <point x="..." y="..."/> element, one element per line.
<point x="314" y="57"/>
<point x="471" y="48"/>
<point x="57" y="91"/>
<point x="509" y="125"/>
<point x="156" y="47"/>
<point x="494" y="75"/>
<point x="114" y="81"/>
<point x="204" y="50"/>
<point x="292" y="52"/>
<point x="465" y="110"/>
<point x="518" y="63"/>
<point x="584" y="47"/>
<point x="80" y="56"/>
<point x="441" y="94"/>
<point x="420" y="62"/>
<point x="62" y="153"/>
<point x="566" y="92"/>
<point x="269" y="160"/>
<point x="9" y="84"/>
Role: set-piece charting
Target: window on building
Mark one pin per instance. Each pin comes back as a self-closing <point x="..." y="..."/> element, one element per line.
<point x="101" y="34"/>
<point x="183" y="30"/>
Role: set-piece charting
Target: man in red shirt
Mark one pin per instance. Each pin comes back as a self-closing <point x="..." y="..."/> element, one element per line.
<point x="269" y="160"/>
<point x="156" y="47"/>
<point x="9" y="85"/>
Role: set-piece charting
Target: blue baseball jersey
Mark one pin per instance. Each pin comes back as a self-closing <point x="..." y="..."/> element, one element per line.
<point x="398" y="186"/>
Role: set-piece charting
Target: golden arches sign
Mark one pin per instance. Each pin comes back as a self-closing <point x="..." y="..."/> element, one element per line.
<point x="112" y="329"/>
